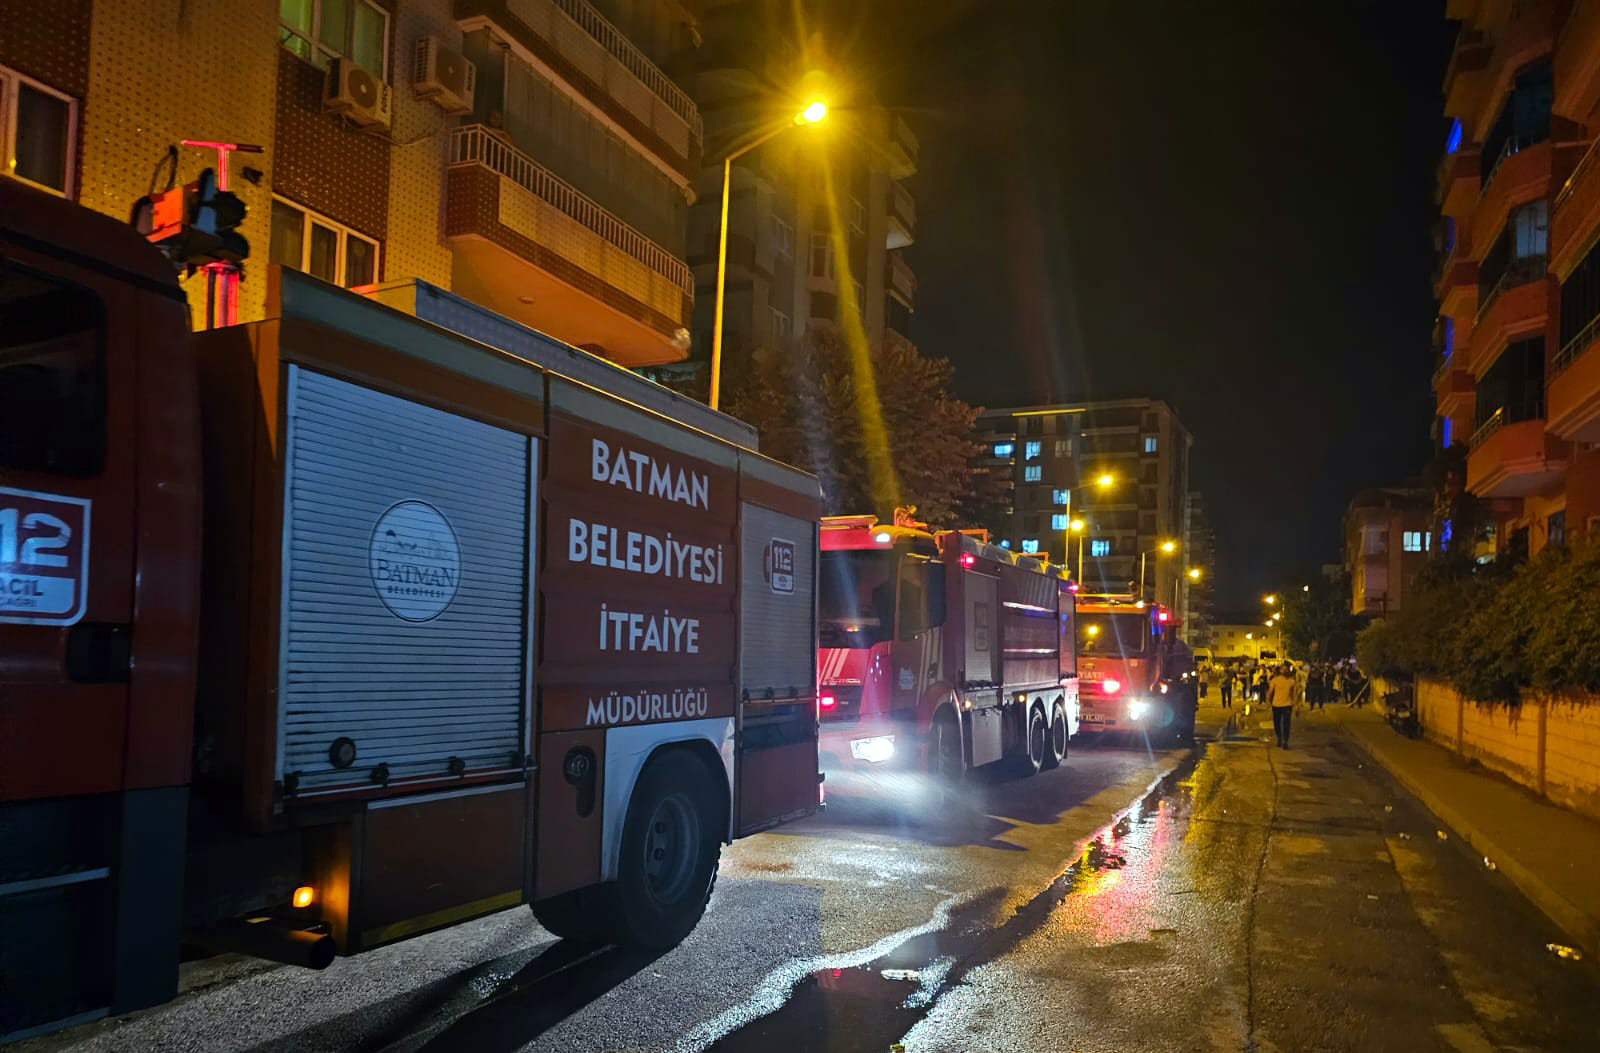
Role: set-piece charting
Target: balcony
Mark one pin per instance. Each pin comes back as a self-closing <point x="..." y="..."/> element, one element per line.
<point x="1576" y="214"/>
<point x="575" y="42"/>
<point x="1576" y="67"/>
<point x="902" y="282"/>
<point x="1515" y="306"/>
<point x="902" y="148"/>
<point x="902" y="217"/>
<point x="535" y="249"/>
<point x="1458" y="287"/>
<point x="1458" y="182"/>
<point x="1574" y="392"/>
<point x="1466" y="77"/>
<point x="1520" y="174"/>
<point x="1514" y="458"/>
<point x="1453" y="387"/>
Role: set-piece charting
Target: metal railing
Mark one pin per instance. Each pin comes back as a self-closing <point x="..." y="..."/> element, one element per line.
<point x="1440" y="370"/>
<point x="1513" y="145"/>
<point x="1495" y="422"/>
<point x="1572" y="348"/>
<point x="902" y="204"/>
<point x="633" y="60"/>
<point x="474" y="145"/>
<point x="1577" y="173"/>
<point x="1518" y="272"/>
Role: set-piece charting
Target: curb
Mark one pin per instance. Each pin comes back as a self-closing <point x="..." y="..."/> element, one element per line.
<point x="1571" y="919"/>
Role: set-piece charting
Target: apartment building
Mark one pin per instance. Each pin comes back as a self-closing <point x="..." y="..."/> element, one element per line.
<point x="1200" y="566"/>
<point x="1518" y="338"/>
<point x="786" y="273"/>
<point x="533" y="156"/>
<point x="1387" y="538"/>
<point x="1054" y="459"/>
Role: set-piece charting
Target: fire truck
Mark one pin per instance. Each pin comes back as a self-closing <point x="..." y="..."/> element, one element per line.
<point x="320" y="632"/>
<point x="1136" y="674"/>
<point x="939" y="652"/>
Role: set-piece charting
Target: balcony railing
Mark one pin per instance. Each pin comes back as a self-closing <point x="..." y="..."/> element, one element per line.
<point x="633" y="60"/>
<point x="473" y="144"/>
<point x="1441" y="370"/>
<point x="903" y="205"/>
<point x="1514" y="145"/>
<point x="1572" y="348"/>
<point x="1519" y="271"/>
<point x="1577" y="174"/>
<point x="1496" y="421"/>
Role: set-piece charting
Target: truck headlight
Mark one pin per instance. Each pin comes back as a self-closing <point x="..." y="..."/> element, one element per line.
<point x="1137" y="709"/>
<point x="875" y="750"/>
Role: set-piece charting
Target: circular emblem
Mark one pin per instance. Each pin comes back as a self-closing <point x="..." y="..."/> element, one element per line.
<point x="415" y="561"/>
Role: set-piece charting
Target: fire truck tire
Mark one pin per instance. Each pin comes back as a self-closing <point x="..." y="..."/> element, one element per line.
<point x="1056" y="747"/>
<point x="946" y="763"/>
<point x="1035" y="742"/>
<point x="671" y="845"/>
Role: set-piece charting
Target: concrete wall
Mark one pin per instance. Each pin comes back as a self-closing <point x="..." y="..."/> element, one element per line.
<point x="1551" y="746"/>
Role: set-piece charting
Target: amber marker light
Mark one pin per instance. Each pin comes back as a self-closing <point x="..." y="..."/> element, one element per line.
<point x="303" y="896"/>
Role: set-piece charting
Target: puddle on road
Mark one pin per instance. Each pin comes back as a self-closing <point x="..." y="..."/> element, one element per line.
<point x="868" y="1006"/>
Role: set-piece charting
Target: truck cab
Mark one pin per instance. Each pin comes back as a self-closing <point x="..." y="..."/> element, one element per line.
<point x="1135" y="674"/>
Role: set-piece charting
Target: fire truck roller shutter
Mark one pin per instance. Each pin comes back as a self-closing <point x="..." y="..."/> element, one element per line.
<point x="405" y="637"/>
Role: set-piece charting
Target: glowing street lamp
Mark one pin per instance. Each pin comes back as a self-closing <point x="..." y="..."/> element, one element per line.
<point x="1269" y="599"/>
<point x="1194" y="573"/>
<point x="813" y="113"/>
<point x="1165" y="548"/>
<point x="1105" y="480"/>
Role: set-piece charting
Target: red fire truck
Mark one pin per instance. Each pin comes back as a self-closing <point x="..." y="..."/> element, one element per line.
<point x="938" y="652"/>
<point x="324" y="631"/>
<point x="1136" y="674"/>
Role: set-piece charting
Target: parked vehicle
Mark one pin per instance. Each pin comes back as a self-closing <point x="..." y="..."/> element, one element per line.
<point x="328" y="630"/>
<point x="939" y="652"/>
<point x="1136" y="674"/>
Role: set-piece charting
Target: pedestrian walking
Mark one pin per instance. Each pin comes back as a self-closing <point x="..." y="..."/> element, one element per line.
<point x="1281" y="692"/>
<point x="1225" y="687"/>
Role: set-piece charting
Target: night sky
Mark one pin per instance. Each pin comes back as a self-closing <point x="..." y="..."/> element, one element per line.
<point x="1227" y="205"/>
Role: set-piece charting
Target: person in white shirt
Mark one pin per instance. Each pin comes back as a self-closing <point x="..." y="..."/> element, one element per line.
<point x="1282" y="692"/>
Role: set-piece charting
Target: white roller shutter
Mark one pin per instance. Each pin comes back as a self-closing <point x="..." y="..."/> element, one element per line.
<point x="777" y="597"/>
<point x="405" y="585"/>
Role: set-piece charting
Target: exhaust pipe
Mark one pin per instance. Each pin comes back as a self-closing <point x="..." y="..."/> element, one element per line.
<point x="271" y="938"/>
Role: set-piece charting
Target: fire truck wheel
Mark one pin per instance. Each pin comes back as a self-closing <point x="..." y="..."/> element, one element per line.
<point x="671" y="843"/>
<point x="1056" y="748"/>
<point x="945" y="761"/>
<point x="1036" y="743"/>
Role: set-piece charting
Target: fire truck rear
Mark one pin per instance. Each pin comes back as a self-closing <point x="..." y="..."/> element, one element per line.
<point x="1136" y="675"/>
<point x="938" y="652"/>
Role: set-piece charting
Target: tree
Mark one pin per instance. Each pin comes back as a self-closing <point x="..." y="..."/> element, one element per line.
<point x="1317" y="623"/>
<point x="813" y="405"/>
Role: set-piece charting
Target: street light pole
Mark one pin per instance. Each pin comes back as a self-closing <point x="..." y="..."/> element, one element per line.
<point x="812" y="114"/>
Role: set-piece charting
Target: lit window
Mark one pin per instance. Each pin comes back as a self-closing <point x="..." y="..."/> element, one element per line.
<point x="1149" y="444"/>
<point x="1446" y="431"/>
<point x="1411" y="540"/>
<point x="1452" y="139"/>
<point x="1004" y="543"/>
<point x="858" y="216"/>
<point x="1063" y="447"/>
<point x="320" y="247"/>
<point x="1031" y="451"/>
<point x="1444" y="531"/>
<point x="781" y="327"/>
<point x="1004" y="449"/>
<point x="1030" y="545"/>
<point x="319" y="30"/>
<point x="1032" y="473"/>
<point x="1100" y="547"/>
<point x="1058" y="522"/>
<point x="38" y="131"/>
<point x="1060" y="497"/>
<point x="782" y="238"/>
<point x="821" y="257"/>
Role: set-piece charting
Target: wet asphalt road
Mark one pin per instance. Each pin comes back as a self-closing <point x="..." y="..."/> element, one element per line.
<point x="1233" y="897"/>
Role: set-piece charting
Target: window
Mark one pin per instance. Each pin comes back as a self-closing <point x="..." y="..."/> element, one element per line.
<point x="1031" y="473"/>
<point x="782" y="238"/>
<point x="858" y="216"/>
<point x="1058" y="522"/>
<point x="1060" y="497"/>
<point x="1556" y="528"/>
<point x="38" y="129"/>
<point x="921" y="597"/>
<point x="1030" y="545"/>
<point x="821" y="257"/>
<point x="1446" y="431"/>
<point x="1149" y="444"/>
<point x="1031" y="450"/>
<point x="1004" y="449"/>
<point x="1005" y="543"/>
<point x="52" y="376"/>
<point x="1063" y="447"/>
<point x="1411" y="540"/>
<point x="320" y="247"/>
<point x="1100" y="547"/>
<point x="1445" y="529"/>
<point x="780" y="327"/>
<point x="319" y="30"/>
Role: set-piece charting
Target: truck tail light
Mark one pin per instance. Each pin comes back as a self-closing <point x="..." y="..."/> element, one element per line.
<point x="828" y="701"/>
<point x="968" y="560"/>
<point x="1110" y="686"/>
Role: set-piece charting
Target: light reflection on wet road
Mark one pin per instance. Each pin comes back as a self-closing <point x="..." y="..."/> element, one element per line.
<point x="1239" y="898"/>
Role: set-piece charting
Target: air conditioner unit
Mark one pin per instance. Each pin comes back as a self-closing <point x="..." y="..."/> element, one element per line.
<point x="443" y="75"/>
<point x="359" y="94"/>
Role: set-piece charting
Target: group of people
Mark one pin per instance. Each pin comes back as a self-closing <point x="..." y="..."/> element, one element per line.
<point x="1280" y="686"/>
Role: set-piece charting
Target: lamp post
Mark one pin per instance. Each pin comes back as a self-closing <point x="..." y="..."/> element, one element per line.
<point x="1104" y="481"/>
<point x="1166" y="548"/>
<point x="814" y="113"/>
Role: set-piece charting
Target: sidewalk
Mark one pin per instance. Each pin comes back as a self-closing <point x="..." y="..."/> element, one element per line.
<point x="1550" y="854"/>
